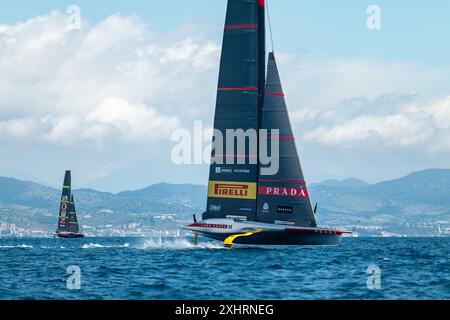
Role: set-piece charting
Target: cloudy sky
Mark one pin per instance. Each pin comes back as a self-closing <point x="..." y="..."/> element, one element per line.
<point x="104" y="99"/>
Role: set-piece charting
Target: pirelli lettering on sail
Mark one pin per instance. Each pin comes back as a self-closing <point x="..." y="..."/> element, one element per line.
<point x="232" y="190"/>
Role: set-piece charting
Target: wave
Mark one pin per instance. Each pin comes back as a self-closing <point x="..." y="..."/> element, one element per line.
<point x="21" y="246"/>
<point x="176" y="243"/>
<point x="100" y="246"/>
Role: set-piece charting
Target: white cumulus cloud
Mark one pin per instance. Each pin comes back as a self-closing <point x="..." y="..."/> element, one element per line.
<point x="404" y="121"/>
<point x="134" y="122"/>
<point x="115" y="81"/>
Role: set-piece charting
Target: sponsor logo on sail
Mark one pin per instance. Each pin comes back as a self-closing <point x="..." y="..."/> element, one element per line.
<point x="283" y="192"/>
<point x="63" y="211"/>
<point x="232" y="190"/>
<point x="285" y="209"/>
<point x="215" y="207"/>
<point x="266" y="207"/>
<point x="222" y="170"/>
<point x="246" y="171"/>
<point x="245" y="209"/>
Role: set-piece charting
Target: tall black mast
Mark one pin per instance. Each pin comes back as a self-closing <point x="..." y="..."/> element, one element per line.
<point x="261" y="58"/>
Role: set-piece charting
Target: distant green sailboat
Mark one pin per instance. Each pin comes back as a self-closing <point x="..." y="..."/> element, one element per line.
<point x="68" y="226"/>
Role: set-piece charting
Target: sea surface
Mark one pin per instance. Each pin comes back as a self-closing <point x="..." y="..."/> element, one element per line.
<point x="173" y="268"/>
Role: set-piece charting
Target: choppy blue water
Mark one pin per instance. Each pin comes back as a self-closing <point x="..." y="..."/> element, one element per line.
<point x="132" y="268"/>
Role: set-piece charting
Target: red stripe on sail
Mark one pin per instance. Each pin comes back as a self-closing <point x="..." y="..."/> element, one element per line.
<point x="279" y="137"/>
<point x="274" y="94"/>
<point x="238" y="89"/>
<point x="261" y="3"/>
<point x="234" y="156"/>
<point x="241" y="26"/>
<point x="208" y="225"/>
<point x="317" y="231"/>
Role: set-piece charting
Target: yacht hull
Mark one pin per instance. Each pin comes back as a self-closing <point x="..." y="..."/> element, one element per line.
<point x="253" y="233"/>
<point x="281" y="239"/>
<point x="70" y="235"/>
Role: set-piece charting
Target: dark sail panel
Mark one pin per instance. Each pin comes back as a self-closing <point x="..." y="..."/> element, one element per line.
<point x="233" y="187"/>
<point x="63" y="221"/>
<point x="73" y="221"/>
<point x="282" y="197"/>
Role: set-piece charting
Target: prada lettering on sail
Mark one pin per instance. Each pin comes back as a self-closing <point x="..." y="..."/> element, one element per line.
<point x="232" y="190"/>
<point x="283" y="192"/>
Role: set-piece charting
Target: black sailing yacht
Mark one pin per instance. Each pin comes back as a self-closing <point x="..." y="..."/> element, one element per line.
<point x="244" y="206"/>
<point x="68" y="226"/>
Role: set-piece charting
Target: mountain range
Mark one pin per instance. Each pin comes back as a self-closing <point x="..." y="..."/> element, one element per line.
<point x="420" y="197"/>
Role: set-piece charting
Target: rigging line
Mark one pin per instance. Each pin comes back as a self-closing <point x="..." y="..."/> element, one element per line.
<point x="270" y="25"/>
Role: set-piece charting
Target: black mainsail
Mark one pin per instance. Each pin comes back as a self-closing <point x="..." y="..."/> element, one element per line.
<point x="282" y="197"/>
<point x="233" y="179"/>
<point x="63" y="221"/>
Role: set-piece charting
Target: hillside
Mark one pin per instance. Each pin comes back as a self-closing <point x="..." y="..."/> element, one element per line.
<point x="418" y="197"/>
<point x="421" y="197"/>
